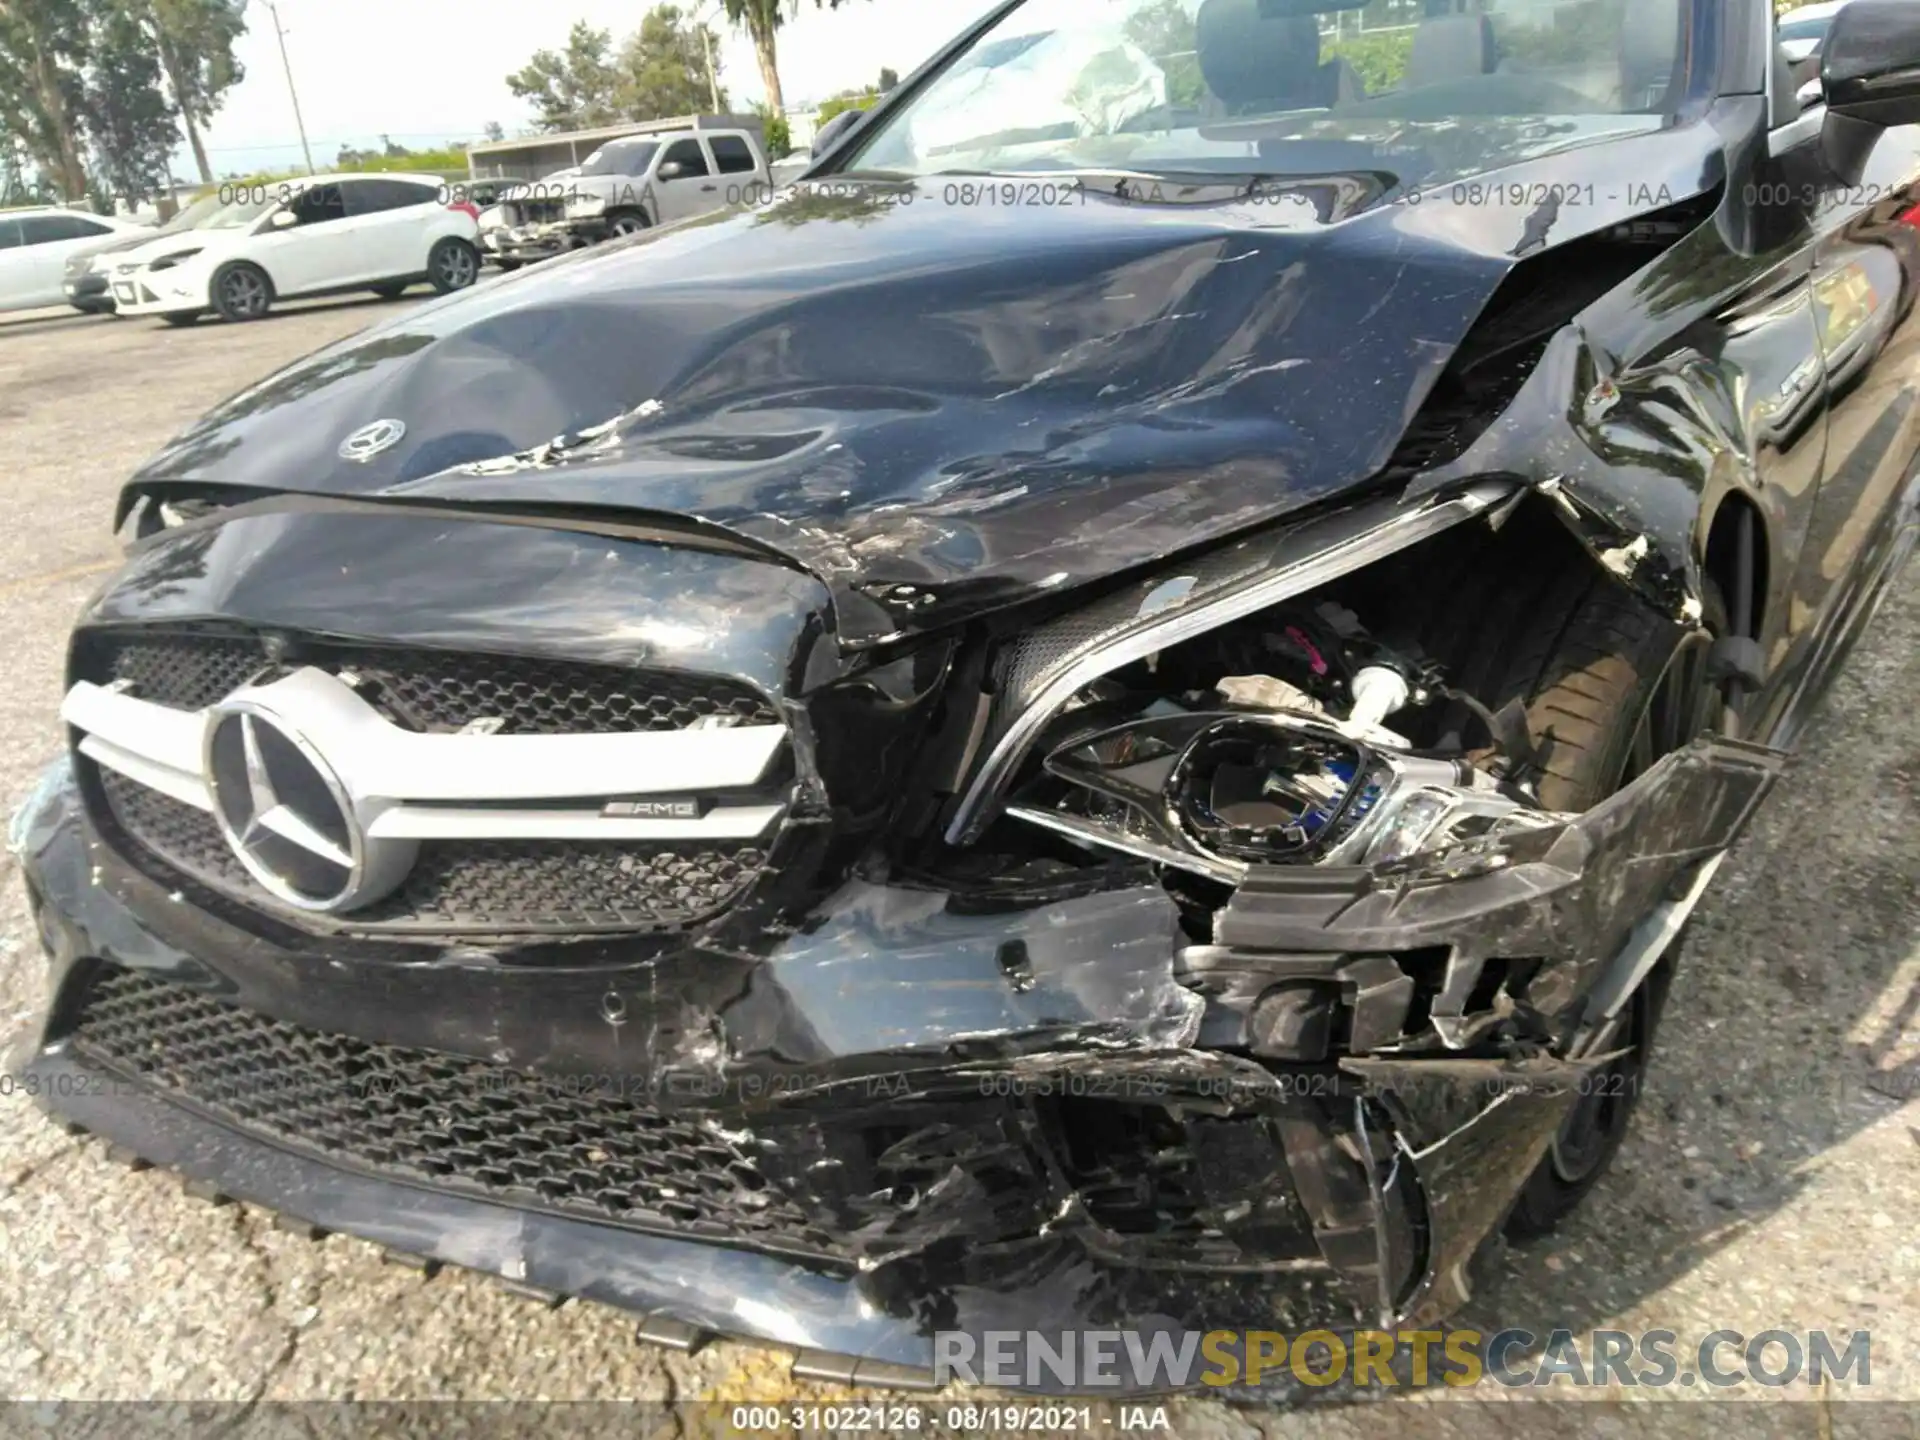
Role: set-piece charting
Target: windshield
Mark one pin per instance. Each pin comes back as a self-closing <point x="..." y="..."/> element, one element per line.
<point x="1285" y="86"/>
<point x="242" y="212"/>
<point x="193" y="215"/>
<point x="619" y="159"/>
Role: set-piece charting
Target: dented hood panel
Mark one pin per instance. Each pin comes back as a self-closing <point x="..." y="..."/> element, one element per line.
<point x="941" y="406"/>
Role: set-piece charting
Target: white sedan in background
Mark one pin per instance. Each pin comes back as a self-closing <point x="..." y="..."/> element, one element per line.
<point x="35" y="245"/>
<point x="317" y="236"/>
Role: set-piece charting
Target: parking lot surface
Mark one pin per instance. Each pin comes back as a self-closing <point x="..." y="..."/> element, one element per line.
<point x="1770" y="1182"/>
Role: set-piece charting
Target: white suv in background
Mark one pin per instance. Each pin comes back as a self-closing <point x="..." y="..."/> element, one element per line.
<point x="317" y="236"/>
<point x="36" y="244"/>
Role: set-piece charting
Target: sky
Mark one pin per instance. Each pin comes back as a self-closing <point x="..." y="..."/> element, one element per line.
<point x="428" y="71"/>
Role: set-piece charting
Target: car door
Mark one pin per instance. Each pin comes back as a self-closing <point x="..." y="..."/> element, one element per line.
<point x="13" y="266"/>
<point x="684" y="183"/>
<point x="387" y="219"/>
<point x="314" y="250"/>
<point x="45" y="243"/>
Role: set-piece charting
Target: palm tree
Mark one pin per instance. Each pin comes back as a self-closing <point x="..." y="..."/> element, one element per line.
<point x="761" y="19"/>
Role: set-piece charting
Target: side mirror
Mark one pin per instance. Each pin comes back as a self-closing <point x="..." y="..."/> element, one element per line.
<point x="1870" y="64"/>
<point x="281" y="219"/>
<point x="829" y="134"/>
<point x="672" y="170"/>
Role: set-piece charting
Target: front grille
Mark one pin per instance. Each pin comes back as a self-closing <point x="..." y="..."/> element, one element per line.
<point x="459" y="1125"/>
<point x="466" y="886"/>
<point x="533" y="212"/>
<point x="429" y="690"/>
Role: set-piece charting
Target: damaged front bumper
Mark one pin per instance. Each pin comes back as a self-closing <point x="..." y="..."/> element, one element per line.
<point x="524" y="244"/>
<point x="924" y="1111"/>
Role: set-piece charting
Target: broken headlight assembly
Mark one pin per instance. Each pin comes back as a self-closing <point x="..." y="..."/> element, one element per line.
<point x="1239" y="716"/>
<point x="1215" y="791"/>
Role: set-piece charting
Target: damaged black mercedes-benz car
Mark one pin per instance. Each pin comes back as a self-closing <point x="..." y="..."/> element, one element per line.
<point x="1109" y="711"/>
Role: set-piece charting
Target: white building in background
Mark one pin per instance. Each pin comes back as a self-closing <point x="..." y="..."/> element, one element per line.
<point x="801" y="125"/>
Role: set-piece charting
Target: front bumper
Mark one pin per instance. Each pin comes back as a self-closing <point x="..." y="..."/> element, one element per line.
<point x="88" y="292"/>
<point x="960" y="1032"/>
<point x="527" y="243"/>
<point x="588" y="229"/>
<point x="166" y="292"/>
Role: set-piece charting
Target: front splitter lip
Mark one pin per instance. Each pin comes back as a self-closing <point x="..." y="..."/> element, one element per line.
<point x="708" y="1287"/>
<point x="682" y="1292"/>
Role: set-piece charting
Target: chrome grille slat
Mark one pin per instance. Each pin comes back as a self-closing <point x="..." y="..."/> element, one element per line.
<point x="514" y="886"/>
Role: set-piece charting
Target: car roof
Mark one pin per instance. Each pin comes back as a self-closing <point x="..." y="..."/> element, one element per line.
<point x="301" y="182"/>
<point x="17" y="211"/>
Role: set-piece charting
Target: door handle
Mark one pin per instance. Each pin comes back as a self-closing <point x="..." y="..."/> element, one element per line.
<point x="709" y="188"/>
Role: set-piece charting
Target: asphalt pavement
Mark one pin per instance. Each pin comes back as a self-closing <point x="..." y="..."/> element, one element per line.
<point x="1770" y="1182"/>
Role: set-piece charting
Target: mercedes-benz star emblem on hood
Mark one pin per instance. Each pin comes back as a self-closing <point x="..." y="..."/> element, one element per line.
<point x="369" y="440"/>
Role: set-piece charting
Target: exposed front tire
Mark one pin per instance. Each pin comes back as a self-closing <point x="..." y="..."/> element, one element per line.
<point x="1601" y="1113"/>
<point x="181" y="317"/>
<point x="452" y="265"/>
<point x="626" y="222"/>
<point x="1610" y="687"/>
<point x="241" y="291"/>
<point x="509" y="266"/>
<point x="391" y="291"/>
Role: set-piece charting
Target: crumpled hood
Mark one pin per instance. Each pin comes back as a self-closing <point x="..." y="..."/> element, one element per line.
<point x="937" y="398"/>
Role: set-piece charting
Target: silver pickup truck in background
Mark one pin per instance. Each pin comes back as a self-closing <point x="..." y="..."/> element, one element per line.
<point x="644" y="180"/>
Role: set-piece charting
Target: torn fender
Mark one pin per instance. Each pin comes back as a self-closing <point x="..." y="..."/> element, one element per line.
<point x="1570" y="894"/>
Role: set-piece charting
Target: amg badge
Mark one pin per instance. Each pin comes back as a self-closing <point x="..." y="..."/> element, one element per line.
<point x="670" y="807"/>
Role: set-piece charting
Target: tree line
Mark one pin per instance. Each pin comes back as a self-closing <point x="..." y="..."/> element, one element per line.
<point x="96" y="94"/>
<point x="666" y="67"/>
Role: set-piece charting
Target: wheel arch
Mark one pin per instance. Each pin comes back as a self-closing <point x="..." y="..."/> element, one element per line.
<point x="252" y="261"/>
<point x="1736" y="554"/>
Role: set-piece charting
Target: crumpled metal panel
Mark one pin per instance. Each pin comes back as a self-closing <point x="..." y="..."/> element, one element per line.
<point x="939" y="412"/>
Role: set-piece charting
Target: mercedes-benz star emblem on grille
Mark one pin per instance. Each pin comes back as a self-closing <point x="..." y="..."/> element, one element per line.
<point x="369" y="440"/>
<point x="289" y="819"/>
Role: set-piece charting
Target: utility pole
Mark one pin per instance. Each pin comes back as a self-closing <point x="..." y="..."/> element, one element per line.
<point x="713" y="80"/>
<point x="281" y="35"/>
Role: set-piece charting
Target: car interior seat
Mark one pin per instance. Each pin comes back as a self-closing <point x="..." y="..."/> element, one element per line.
<point x="1256" y="60"/>
<point x="1450" y="47"/>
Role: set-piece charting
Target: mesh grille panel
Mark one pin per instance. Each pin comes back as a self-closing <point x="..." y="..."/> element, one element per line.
<point x="187" y="676"/>
<point x="434" y="689"/>
<point x="475" y="886"/>
<point x="458" y="1124"/>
